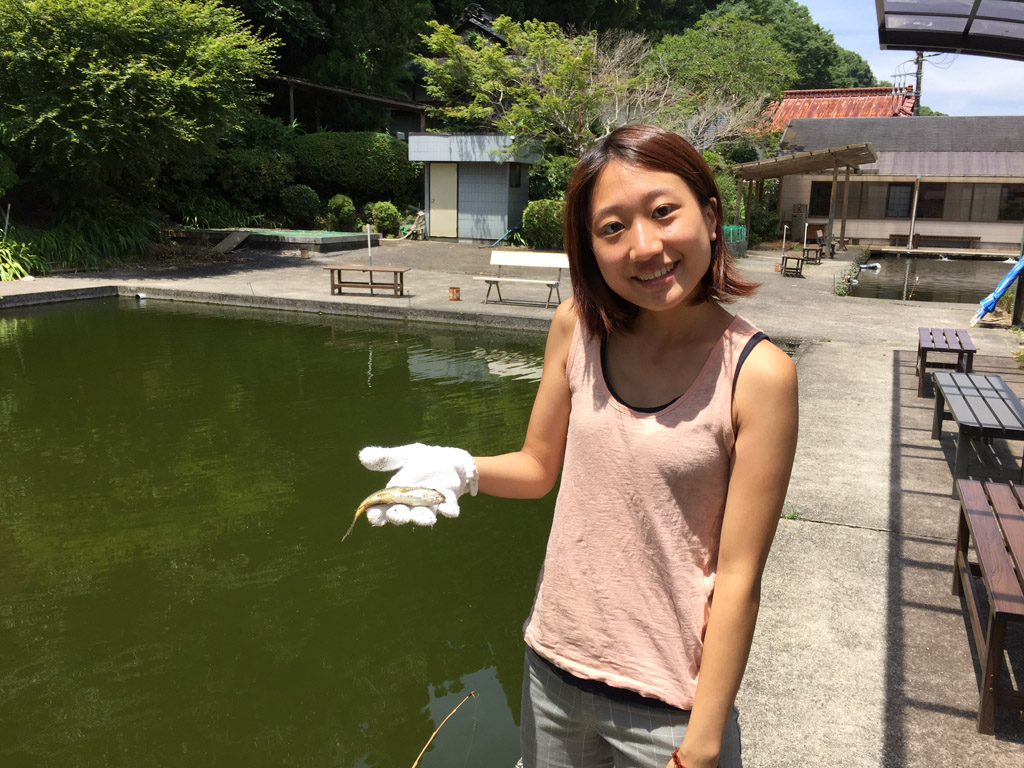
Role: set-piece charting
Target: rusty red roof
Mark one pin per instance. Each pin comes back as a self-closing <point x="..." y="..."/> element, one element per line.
<point x="883" y="101"/>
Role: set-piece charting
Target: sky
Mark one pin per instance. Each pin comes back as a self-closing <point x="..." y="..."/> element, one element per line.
<point x="954" y="84"/>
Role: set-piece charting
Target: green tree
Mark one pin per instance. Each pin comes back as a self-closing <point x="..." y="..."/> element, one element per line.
<point x="540" y="88"/>
<point x="727" y="56"/>
<point x="99" y="95"/>
<point x="820" y="61"/>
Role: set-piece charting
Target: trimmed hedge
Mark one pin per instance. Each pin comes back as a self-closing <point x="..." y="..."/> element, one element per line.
<point x="301" y="204"/>
<point x="385" y="217"/>
<point x="542" y="223"/>
<point x="364" y="165"/>
<point x="341" y="214"/>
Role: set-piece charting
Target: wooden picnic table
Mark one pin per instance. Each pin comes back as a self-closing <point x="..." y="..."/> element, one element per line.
<point x="983" y="407"/>
<point x="338" y="280"/>
<point x="991" y="517"/>
<point x="955" y="341"/>
<point x="792" y="265"/>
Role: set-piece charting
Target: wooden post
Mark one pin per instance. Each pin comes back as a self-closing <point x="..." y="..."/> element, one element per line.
<point x="846" y="203"/>
<point x="832" y="206"/>
<point x="739" y="197"/>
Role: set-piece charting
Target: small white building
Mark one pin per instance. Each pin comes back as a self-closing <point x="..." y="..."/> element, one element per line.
<point x="473" y="189"/>
<point x="953" y="182"/>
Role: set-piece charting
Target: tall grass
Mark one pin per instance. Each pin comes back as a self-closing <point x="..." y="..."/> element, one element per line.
<point x="90" y="241"/>
<point x="18" y="261"/>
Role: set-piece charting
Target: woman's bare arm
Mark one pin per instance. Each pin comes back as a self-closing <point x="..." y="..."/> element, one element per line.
<point x="765" y="416"/>
<point x="532" y="471"/>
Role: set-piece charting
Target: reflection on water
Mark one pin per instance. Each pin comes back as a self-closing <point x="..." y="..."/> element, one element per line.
<point x="173" y="590"/>
<point x="918" y="279"/>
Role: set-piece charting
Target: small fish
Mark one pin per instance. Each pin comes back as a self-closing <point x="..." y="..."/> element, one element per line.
<point x="413" y="497"/>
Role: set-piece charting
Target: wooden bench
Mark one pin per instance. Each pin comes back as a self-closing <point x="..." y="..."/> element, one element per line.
<point x="530" y="259"/>
<point x="792" y="265"/>
<point x="954" y="341"/>
<point x="339" y="281"/>
<point x="922" y="240"/>
<point x="991" y="517"/>
<point x="983" y="407"/>
<point x="812" y="253"/>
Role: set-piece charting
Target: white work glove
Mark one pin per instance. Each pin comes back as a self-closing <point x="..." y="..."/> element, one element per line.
<point x="450" y="471"/>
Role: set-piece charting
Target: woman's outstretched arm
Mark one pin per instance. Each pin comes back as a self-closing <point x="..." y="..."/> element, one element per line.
<point x="532" y="471"/>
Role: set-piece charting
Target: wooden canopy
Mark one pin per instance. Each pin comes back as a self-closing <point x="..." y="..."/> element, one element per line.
<point x="848" y="156"/>
<point x="852" y="155"/>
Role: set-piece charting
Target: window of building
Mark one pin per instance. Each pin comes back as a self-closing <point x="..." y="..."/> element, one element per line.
<point x="1011" y="202"/>
<point x="515" y="174"/>
<point x="821" y="196"/>
<point x="931" y="199"/>
<point x="897" y="204"/>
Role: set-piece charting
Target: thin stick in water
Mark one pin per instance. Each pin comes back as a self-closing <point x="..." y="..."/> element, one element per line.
<point x="471" y="693"/>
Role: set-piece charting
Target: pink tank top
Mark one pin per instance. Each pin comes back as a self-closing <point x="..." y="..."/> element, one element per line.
<point x="625" y="591"/>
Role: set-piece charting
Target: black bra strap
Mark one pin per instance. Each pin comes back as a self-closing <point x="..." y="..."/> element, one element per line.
<point x="754" y="340"/>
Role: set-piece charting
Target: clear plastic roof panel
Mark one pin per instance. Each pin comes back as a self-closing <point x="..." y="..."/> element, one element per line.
<point x="985" y="27"/>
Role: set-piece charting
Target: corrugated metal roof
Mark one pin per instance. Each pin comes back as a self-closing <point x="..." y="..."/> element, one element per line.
<point x="844" y="102"/>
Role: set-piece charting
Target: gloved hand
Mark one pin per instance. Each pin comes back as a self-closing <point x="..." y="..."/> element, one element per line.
<point x="451" y="471"/>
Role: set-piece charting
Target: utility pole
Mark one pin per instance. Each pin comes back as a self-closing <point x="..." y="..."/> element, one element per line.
<point x="919" y="59"/>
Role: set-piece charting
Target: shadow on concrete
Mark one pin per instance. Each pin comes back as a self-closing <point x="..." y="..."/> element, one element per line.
<point x="926" y="626"/>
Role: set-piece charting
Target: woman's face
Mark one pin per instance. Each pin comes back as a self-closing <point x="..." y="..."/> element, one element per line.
<point x="651" y="236"/>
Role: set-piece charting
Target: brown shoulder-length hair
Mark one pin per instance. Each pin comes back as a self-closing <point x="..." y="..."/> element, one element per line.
<point x="603" y="311"/>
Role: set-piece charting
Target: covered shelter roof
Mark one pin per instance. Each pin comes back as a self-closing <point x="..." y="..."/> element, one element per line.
<point x="849" y="155"/>
<point x="983" y="27"/>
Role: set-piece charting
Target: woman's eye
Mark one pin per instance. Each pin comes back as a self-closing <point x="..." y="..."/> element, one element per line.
<point x="661" y="211"/>
<point x="611" y="228"/>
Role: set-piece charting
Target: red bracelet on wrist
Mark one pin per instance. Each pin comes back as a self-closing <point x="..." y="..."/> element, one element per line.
<point x="676" y="760"/>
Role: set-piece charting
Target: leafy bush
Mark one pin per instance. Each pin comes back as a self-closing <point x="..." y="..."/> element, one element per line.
<point x="301" y="204"/>
<point x="764" y="224"/>
<point x="8" y="178"/>
<point x="550" y="177"/>
<point x="341" y="214"/>
<point x="364" y="165"/>
<point x="252" y="177"/>
<point x="385" y="218"/>
<point x="542" y="223"/>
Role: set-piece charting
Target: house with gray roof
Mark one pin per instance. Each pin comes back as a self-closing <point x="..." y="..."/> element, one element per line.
<point x="954" y="182"/>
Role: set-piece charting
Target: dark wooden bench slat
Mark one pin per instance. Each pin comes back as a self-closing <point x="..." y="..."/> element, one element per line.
<point x="1000" y="578"/>
<point x="1010" y="399"/>
<point x="1013" y="530"/>
<point x="995" y="406"/>
<point x="964" y="341"/>
<point x="948" y="340"/>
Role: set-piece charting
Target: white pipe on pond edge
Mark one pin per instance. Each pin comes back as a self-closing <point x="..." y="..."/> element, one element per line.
<point x="785" y="229"/>
<point x="369" y="253"/>
<point x="805" y="235"/>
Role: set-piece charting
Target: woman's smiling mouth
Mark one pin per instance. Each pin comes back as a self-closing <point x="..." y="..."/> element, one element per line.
<point x="659" y="273"/>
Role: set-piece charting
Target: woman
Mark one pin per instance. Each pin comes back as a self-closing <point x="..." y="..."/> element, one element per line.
<point x="674" y="426"/>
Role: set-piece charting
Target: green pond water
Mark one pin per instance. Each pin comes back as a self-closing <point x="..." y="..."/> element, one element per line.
<point x="173" y="587"/>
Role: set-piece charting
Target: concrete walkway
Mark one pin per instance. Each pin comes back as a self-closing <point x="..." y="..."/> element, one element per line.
<point x="862" y="655"/>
